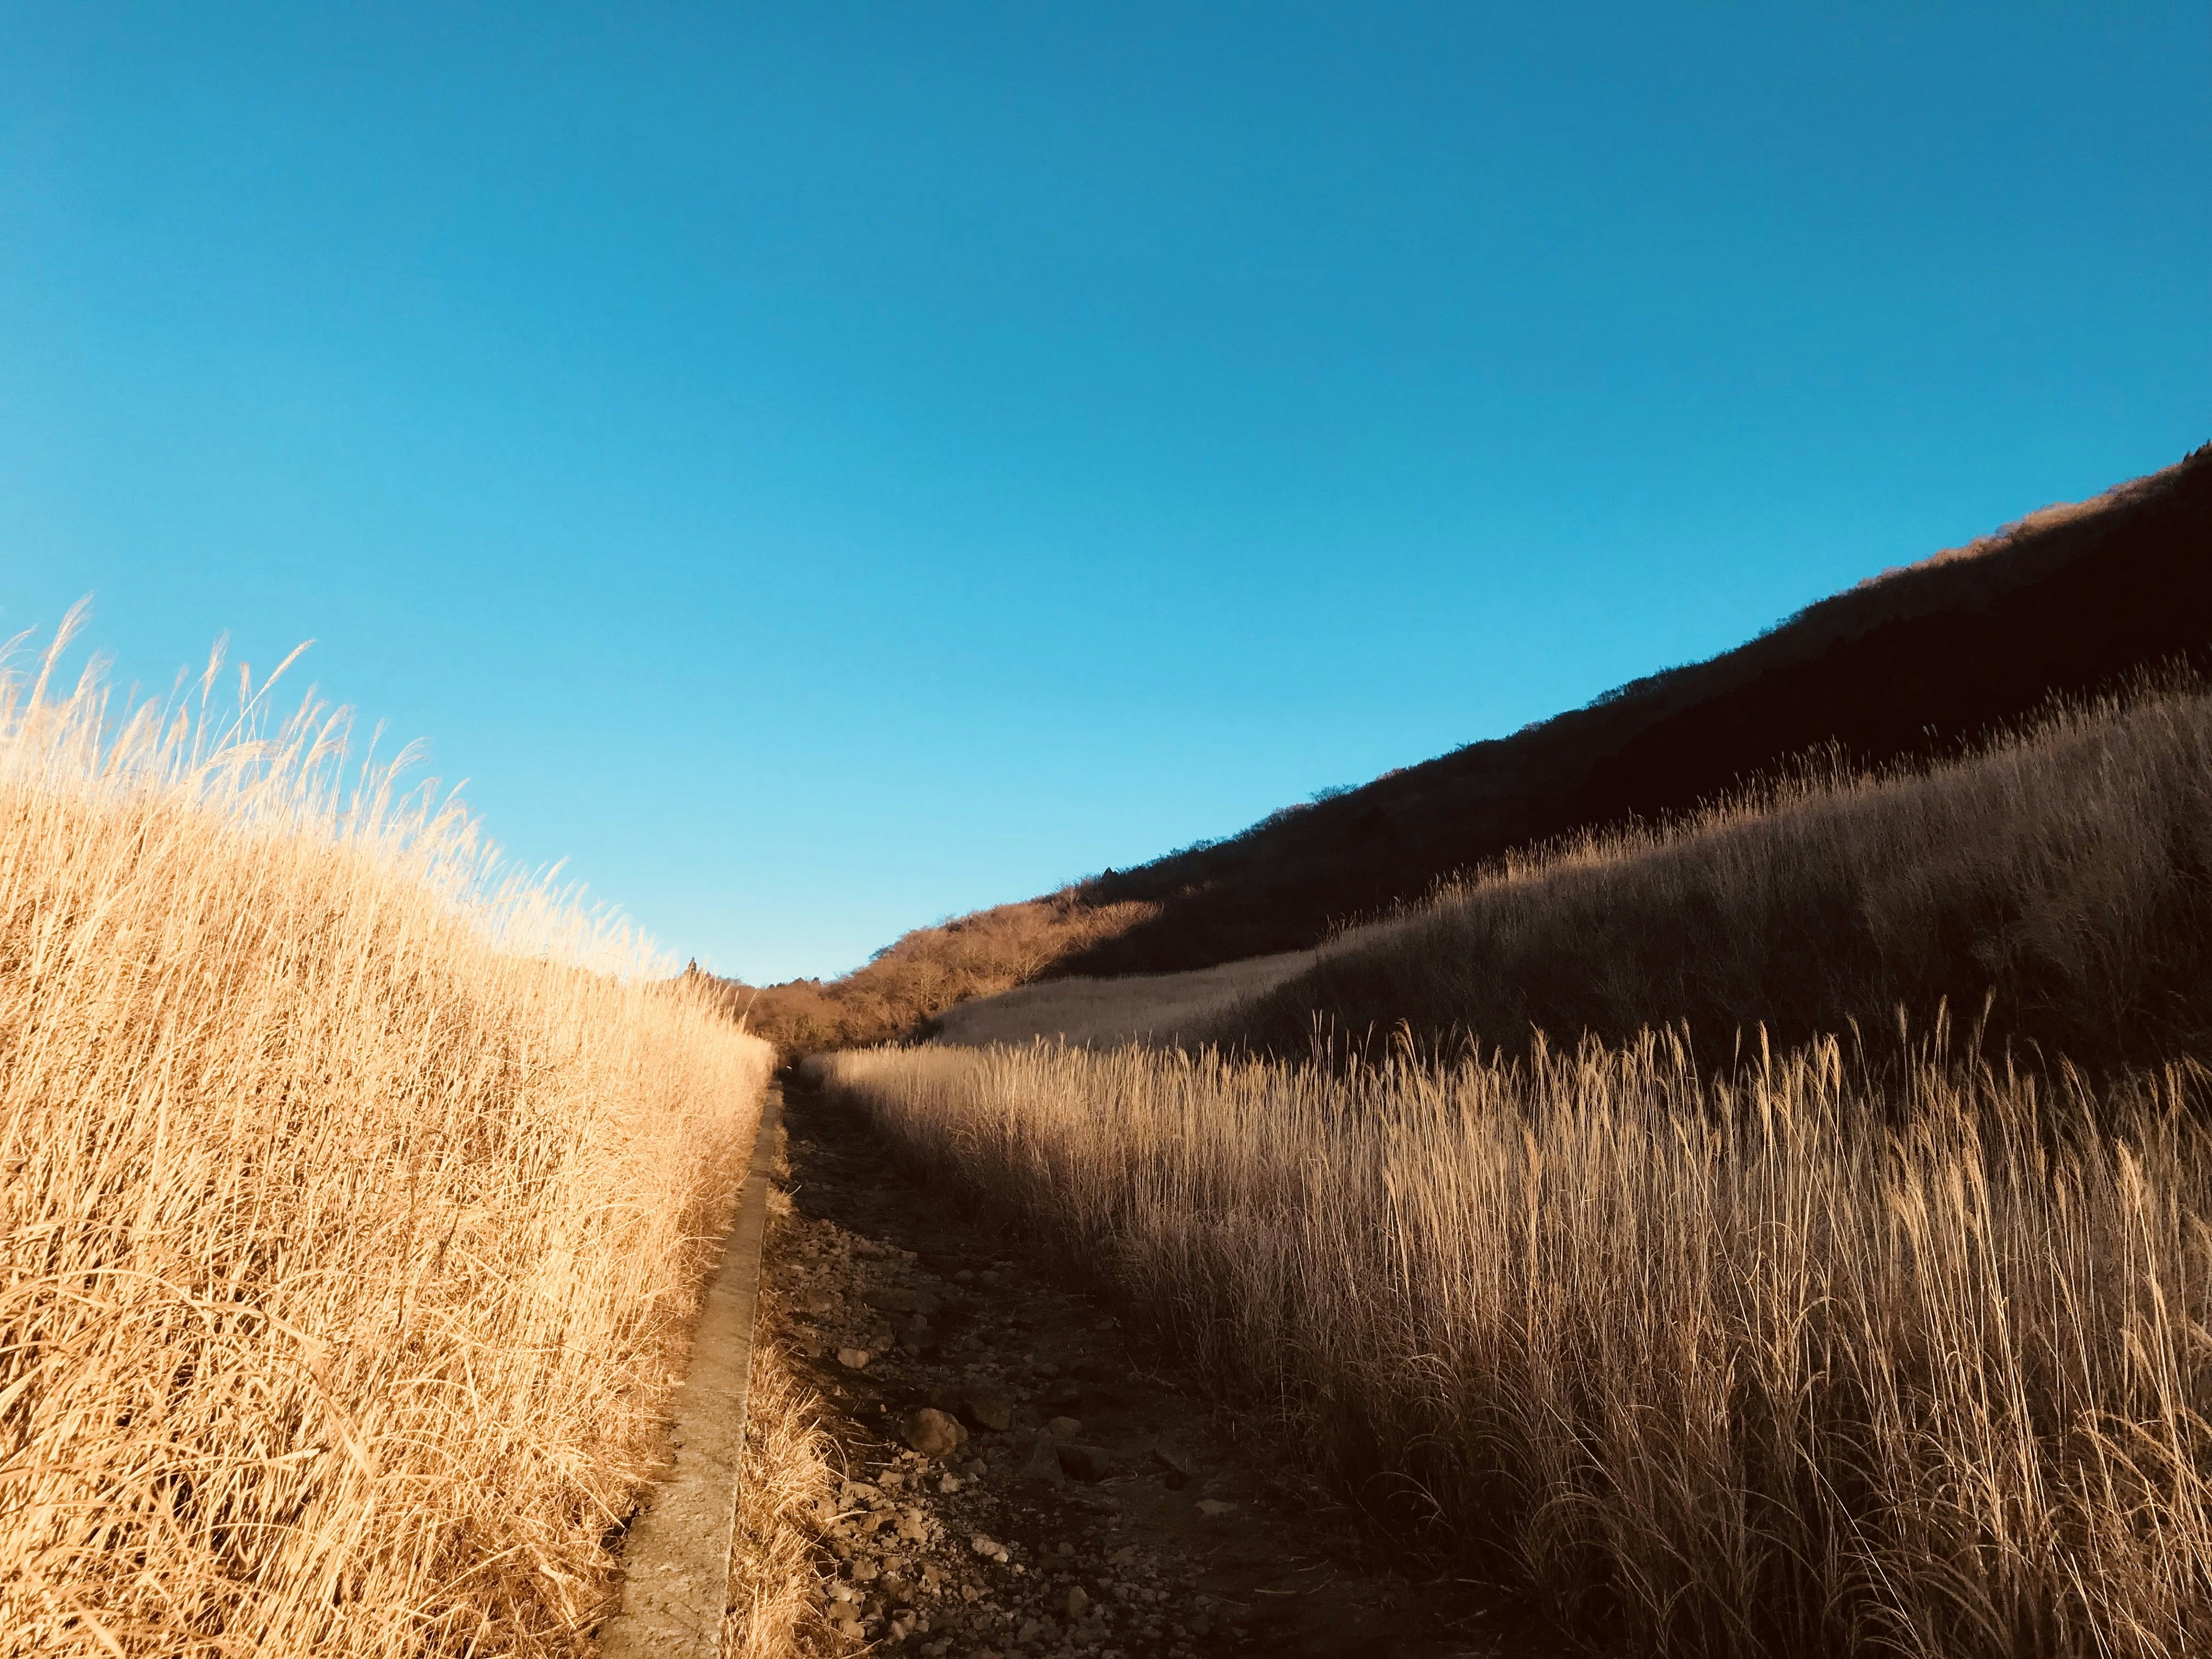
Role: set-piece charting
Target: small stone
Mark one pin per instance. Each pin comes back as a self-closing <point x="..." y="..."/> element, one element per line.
<point x="1042" y="1464"/>
<point x="1063" y="1428"/>
<point x="1178" y="1469"/>
<point x="987" y="1408"/>
<point x="1213" y="1509"/>
<point x="1077" y="1602"/>
<point x="1089" y="1464"/>
<point x="890" y="1299"/>
<point x="932" y="1432"/>
<point x="853" y="1359"/>
<point x="949" y="1482"/>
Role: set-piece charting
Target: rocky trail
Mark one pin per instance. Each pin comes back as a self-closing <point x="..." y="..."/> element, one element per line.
<point x="1024" y="1475"/>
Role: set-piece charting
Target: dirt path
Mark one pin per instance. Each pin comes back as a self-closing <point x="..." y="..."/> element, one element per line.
<point x="1093" y="1505"/>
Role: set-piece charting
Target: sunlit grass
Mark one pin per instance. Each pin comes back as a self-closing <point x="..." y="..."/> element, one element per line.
<point x="1872" y="1345"/>
<point x="355" y="1191"/>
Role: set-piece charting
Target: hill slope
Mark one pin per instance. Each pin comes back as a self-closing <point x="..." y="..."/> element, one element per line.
<point x="2066" y="600"/>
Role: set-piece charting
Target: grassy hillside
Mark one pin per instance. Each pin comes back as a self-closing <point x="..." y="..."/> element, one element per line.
<point x="1133" y="1008"/>
<point x="1909" y="663"/>
<point x="929" y="970"/>
<point x="354" y="1196"/>
<point x="2069" y="600"/>
<point x="2053" y="886"/>
<point x="1859" y="1336"/>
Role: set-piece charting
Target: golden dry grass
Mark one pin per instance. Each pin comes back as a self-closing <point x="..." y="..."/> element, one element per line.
<point x="785" y="1482"/>
<point x="1809" y="1359"/>
<point x="354" y="1195"/>
<point x="923" y="973"/>
<point x="2061" y="874"/>
<point x="1130" y="1007"/>
<point x="1841" y="1350"/>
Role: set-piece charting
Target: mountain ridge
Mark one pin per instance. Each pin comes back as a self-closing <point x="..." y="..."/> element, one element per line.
<point x="1911" y="660"/>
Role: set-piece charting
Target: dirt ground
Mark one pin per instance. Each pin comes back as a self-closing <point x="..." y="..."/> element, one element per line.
<point x="1074" y="1494"/>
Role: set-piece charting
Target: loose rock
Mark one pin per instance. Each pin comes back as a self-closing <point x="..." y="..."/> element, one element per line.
<point x="988" y="1407"/>
<point x="932" y="1432"/>
<point x="1044" y="1464"/>
<point x="1089" y="1464"/>
<point x="1176" y="1469"/>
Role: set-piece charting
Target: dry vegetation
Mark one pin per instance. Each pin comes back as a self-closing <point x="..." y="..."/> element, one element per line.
<point x="2062" y="877"/>
<point x="1132" y="1007"/>
<point x="353" y="1198"/>
<point x="1794" y="1362"/>
<point x="784" y="1485"/>
<point x="929" y="970"/>
<point x="1862" y="1345"/>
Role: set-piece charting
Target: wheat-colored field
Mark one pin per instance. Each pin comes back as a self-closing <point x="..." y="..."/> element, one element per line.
<point x="1872" y="1344"/>
<point x="353" y="1194"/>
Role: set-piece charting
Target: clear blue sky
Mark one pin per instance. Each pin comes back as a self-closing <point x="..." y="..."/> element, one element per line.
<point x="819" y="468"/>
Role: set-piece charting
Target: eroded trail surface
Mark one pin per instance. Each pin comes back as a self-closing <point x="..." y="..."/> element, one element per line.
<point x="1025" y="1477"/>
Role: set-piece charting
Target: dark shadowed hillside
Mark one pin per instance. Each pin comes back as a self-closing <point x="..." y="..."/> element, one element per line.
<point x="2066" y="600"/>
<point x="2070" y="599"/>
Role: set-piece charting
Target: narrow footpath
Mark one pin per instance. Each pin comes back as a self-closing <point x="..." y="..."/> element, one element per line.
<point x="1021" y="1475"/>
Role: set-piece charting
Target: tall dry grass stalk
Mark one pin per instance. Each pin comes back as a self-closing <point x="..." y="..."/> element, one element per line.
<point x="354" y="1193"/>
<point x="1810" y="1358"/>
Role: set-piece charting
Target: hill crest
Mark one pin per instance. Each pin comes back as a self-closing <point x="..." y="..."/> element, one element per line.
<point x="1909" y="660"/>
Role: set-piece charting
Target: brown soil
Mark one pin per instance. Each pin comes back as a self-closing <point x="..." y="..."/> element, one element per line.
<point x="1116" y="1513"/>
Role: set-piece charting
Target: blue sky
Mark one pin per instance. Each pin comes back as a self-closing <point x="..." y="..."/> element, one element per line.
<point x="819" y="468"/>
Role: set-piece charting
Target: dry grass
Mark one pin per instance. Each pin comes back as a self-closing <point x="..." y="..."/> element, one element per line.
<point x="1807" y="1360"/>
<point x="923" y="973"/>
<point x="785" y="1484"/>
<point x="2062" y="874"/>
<point x="1816" y="1354"/>
<point x="353" y="1194"/>
<point x="1130" y="1007"/>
